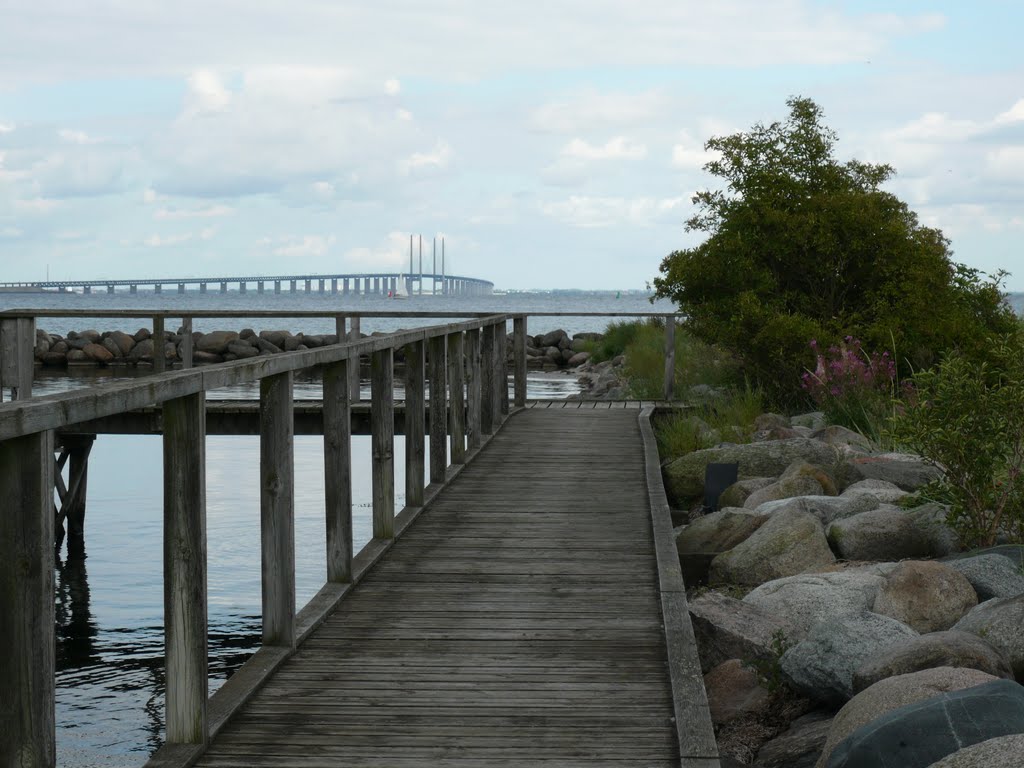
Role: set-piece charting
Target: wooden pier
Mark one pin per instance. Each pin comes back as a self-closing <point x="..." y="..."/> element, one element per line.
<point x="526" y="607"/>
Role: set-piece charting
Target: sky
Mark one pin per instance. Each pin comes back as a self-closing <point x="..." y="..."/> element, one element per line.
<point x="552" y="144"/>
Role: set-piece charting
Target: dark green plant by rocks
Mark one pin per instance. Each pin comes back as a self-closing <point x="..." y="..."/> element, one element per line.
<point x="967" y="418"/>
<point x="769" y="671"/>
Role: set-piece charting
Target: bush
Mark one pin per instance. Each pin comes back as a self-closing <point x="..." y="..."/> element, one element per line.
<point x="968" y="420"/>
<point x="800" y="246"/>
<point x="727" y="417"/>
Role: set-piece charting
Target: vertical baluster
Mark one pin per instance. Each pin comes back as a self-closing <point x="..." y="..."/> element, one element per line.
<point x="670" y="355"/>
<point x="186" y="342"/>
<point x="277" y="509"/>
<point x="338" y="472"/>
<point x="185" y="596"/>
<point x="473" y="382"/>
<point x="499" y="384"/>
<point x="519" y="353"/>
<point x="339" y="328"/>
<point x="159" y="358"/>
<point x="353" y="365"/>
<point x="503" y="367"/>
<point x="382" y="421"/>
<point x="456" y="406"/>
<point x="438" y="411"/>
<point x="487" y="425"/>
<point x="415" y="426"/>
<point x="26" y="602"/>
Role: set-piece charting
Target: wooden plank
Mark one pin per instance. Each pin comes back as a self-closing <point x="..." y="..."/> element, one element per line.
<point x="456" y="403"/>
<point x="26" y="602"/>
<point x="382" y="403"/>
<point x="519" y="354"/>
<point x="438" y="412"/>
<point x="186" y="342"/>
<point x="184" y="477"/>
<point x="415" y="424"/>
<point x="277" y="510"/>
<point x="338" y="471"/>
<point x="159" y="355"/>
<point x="473" y="389"/>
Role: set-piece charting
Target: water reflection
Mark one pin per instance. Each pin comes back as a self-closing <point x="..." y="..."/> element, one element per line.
<point x="76" y="627"/>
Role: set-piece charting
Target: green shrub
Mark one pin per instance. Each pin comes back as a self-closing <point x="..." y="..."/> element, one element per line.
<point x="967" y="418"/>
<point x="728" y="417"/>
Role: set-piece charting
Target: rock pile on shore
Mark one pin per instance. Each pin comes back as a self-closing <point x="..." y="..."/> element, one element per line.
<point x="901" y="649"/>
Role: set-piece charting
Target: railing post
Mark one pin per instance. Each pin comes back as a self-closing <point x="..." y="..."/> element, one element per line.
<point x="670" y="355"/>
<point x="473" y="388"/>
<point x="456" y="406"/>
<point x="438" y="411"/>
<point x="159" y="357"/>
<point x="17" y="351"/>
<point x="519" y="353"/>
<point x="415" y="422"/>
<point x="353" y="365"/>
<point x="497" y="366"/>
<point x="27" y="735"/>
<point x="277" y="509"/>
<point x="502" y="345"/>
<point x="185" y="595"/>
<point x="382" y="425"/>
<point x="186" y="342"/>
<point x="487" y="374"/>
<point x="338" y="472"/>
<point x="339" y="328"/>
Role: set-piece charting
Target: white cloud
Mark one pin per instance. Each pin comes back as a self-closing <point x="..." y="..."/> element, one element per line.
<point x="392" y="87"/>
<point x="591" y="108"/>
<point x="206" y="93"/>
<point x="6" y="128"/>
<point x="618" y="148"/>
<point x="590" y="212"/>
<point x="303" y="245"/>
<point x="76" y="137"/>
<point x="161" y="241"/>
<point x="1014" y="114"/>
<point x="38" y="205"/>
<point x="10" y="233"/>
<point x="688" y="154"/>
<point x="392" y="254"/>
<point x="194" y="213"/>
<point x="428" y="162"/>
<point x="403" y="114"/>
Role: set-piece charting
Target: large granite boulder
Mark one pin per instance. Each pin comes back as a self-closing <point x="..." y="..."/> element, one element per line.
<point x="883" y="490"/>
<point x="825" y="508"/>
<point x="241" y="349"/>
<point x="797" y="747"/>
<point x="1000" y="752"/>
<point x="706" y="537"/>
<point x="813" y="420"/>
<point x="275" y="337"/>
<point x="790" y="542"/>
<point x="737" y="493"/>
<point x="734" y="691"/>
<point x="895" y="692"/>
<point x="98" y="353"/>
<point x="821" y="666"/>
<point x="990" y="575"/>
<point x="951" y="648"/>
<point x="727" y="628"/>
<point x="931" y="521"/>
<point x="886" y="533"/>
<point x="143" y="350"/>
<point x="123" y="341"/>
<point x="808" y="598"/>
<point x="684" y="477"/>
<point x="920" y="734"/>
<point x="925" y="595"/>
<point x="215" y="342"/>
<point x="843" y="438"/>
<point x="907" y="472"/>
<point x="1000" y="622"/>
<point x="799" y="479"/>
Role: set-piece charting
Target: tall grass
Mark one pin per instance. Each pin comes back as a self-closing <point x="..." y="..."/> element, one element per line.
<point x="728" y="417"/>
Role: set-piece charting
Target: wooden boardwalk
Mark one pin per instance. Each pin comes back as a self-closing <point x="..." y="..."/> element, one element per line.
<point x="517" y="622"/>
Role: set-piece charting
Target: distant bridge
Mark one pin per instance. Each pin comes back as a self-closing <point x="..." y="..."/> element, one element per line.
<point x="362" y="284"/>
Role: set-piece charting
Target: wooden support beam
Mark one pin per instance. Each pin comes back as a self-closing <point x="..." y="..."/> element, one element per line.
<point x="159" y="357"/>
<point x="185" y="569"/>
<point x="339" y="329"/>
<point x="277" y="509"/>
<point x="438" y="410"/>
<point x="338" y="471"/>
<point x="382" y="420"/>
<point x="519" y="353"/>
<point x="487" y="424"/>
<point x="186" y="342"/>
<point x="17" y="350"/>
<point x="353" y="368"/>
<point x="415" y="422"/>
<point x="670" y="356"/>
<point x="456" y="400"/>
<point x="473" y="388"/>
<point x="26" y="602"/>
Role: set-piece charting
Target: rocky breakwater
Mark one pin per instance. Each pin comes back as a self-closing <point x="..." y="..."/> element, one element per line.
<point x="840" y="625"/>
<point x="556" y="350"/>
<point x="91" y="347"/>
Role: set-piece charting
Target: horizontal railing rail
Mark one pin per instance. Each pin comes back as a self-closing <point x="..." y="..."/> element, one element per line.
<point x="462" y="363"/>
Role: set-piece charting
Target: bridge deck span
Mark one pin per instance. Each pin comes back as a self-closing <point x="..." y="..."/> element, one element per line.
<point x="518" y="621"/>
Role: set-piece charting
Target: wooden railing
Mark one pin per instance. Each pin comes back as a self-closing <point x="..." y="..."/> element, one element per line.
<point x="466" y="359"/>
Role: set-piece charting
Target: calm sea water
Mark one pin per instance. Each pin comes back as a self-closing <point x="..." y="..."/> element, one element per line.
<point x="109" y="597"/>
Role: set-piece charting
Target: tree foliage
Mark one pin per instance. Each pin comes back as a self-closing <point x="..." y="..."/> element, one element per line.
<point x="802" y="246"/>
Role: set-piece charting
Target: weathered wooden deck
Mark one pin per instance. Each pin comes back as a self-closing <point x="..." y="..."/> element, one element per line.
<point x="518" y="621"/>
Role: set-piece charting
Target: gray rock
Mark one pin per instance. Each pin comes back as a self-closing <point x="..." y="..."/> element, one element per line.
<point x="991" y="575"/>
<point x="275" y="337"/>
<point x="809" y="598"/>
<point x="895" y="692"/>
<point x="821" y="666"/>
<point x="578" y="359"/>
<point x="114" y="350"/>
<point x="215" y="342"/>
<point x="920" y="734"/>
<point x="909" y="474"/>
<point x="825" y="508"/>
<point x="813" y="420"/>
<point x="799" y="746"/>
<point x="931" y="521"/>
<point x="141" y="335"/>
<point x="1000" y="752"/>
<point x="799" y="479"/>
<point x="553" y="339"/>
<point x="206" y="358"/>
<point x="98" y="353"/>
<point x="734" y="691"/>
<point x="142" y="351"/>
<point x="740" y="491"/>
<point x="246" y="333"/>
<point x="883" y="490"/>
<point x="999" y="622"/>
<point x="241" y="349"/>
<point x="925" y="595"/>
<point x="843" y="437"/>
<point x="123" y="341"/>
<point x="292" y="343"/>
<point x="952" y="648"/>
<point x="767" y="421"/>
<point x="727" y="628"/>
<point x="77" y="357"/>
<point x="263" y="345"/>
<point x="886" y="533"/>
<point x="709" y="536"/>
<point x="790" y="542"/>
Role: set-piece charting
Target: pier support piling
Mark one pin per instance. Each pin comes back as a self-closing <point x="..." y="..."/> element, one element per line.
<point x="519" y="353"/>
<point x="338" y="469"/>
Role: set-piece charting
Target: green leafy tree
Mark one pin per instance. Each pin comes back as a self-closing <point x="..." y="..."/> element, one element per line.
<point x="801" y="246"/>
